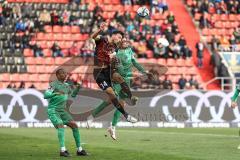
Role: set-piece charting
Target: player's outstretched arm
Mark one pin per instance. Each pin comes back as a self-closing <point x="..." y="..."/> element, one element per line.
<point x="138" y="66"/>
<point x="96" y="33"/>
<point x="76" y="90"/>
<point x="234" y="98"/>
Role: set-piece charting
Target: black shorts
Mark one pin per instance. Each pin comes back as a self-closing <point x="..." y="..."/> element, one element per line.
<point x="103" y="77"/>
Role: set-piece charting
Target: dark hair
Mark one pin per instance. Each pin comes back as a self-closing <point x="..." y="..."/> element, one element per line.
<point x="58" y="70"/>
<point x="118" y="32"/>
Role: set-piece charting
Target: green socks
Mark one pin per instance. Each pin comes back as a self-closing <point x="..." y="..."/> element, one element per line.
<point x="61" y="137"/>
<point x="99" y="108"/>
<point x="116" y="118"/>
<point x="76" y="136"/>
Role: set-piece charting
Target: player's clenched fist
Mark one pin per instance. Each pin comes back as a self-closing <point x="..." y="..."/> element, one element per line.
<point x="103" y="26"/>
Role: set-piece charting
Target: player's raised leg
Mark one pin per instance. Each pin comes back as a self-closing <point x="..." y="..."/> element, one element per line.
<point x="77" y="138"/>
<point x="96" y="111"/>
<point x="117" y="78"/>
<point x="118" y="105"/>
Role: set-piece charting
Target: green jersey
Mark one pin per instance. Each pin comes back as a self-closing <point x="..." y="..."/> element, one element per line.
<point x="127" y="61"/>
<point x="236" y="93"/>
<point x="58" y="101"/>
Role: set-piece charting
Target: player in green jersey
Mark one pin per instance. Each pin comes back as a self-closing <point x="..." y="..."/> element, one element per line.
<point x="57" y="95"/>
<point x="126" y="60"/>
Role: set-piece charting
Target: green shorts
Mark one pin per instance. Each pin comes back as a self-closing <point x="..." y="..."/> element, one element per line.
<point x="61" y="117"/>
<point x="118" y="90"/>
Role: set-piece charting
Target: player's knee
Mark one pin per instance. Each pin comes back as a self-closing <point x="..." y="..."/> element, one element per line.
<point x="117" y="78"/>
<point x="72" y="125"/>
<point x="109" y="91"/>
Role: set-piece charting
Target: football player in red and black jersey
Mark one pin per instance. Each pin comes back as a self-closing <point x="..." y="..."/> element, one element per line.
<point x="104" y="74"/>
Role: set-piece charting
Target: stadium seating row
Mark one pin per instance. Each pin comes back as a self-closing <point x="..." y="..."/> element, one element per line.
<point x="76" y="61"/>
<point x="219" y="17"/>
<point x="61" y="37"/>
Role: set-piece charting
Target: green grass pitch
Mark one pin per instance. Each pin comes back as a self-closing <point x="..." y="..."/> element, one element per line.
<point x="132" y="144"/>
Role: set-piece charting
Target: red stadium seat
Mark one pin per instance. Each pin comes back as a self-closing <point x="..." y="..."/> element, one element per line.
<point x="205" y="31"/>
<point x="128" y="8"/>
<point x="189" y="3"/>
<point x="107" y="1"/>
<point x="65" y="52"/>
<point x="99" y="1"/>
<point x="189" y="62"/>
<point x="215" y="17"/>
<point x="232" y="17"/>
<point x="161" y="61"/>
<point x="28" y="52"/>
<point x="31" y="69"/>
<point x="135" y="8"/>
<point x="224" y="17"/>
<point x="182" y="70"/>
<point x="15" y="77"/>
<point x="49" y="44"/>
<point x="67" y="37"/>
<point x="40" y="36"/>
<point x="172" y="70"/>
<point x="80" y="44"/>
<point x="69" y="44"/>
<point x="43" y="77"/>
<point x="57" y="37"/>
<point x="149" y="54"/>
<point x="33" y="78"/>
<point x="192" y="70"/>
<point x="77" y="37"/>
<point x="171" y="62"/>
<point x="66" y="29"/>
<point x="197" y="16"/>
<point x="152" y="60"/>
<point x="24" y="77"/>
<point x="5" y="77"/>
<point x="47" y="52"/>
<point x="51" y="69"/>
<point x="30" y="60"/>
<point x="49" y="61"/>
<point x="119" y="8"/>
<point x="75" y="29"/>
<point x="40" y="60"/>
<point x="57" y="29"/>
<point x="227" y="24"/>
<point x="180" y="62"/>
<point x="219" y="24"/>
<point x="42" y="44"/>
<point x="48" y="36"/>
<point x="60" y="60"/>
<point x="116" y="2"/>
<point x="48" y="29"/>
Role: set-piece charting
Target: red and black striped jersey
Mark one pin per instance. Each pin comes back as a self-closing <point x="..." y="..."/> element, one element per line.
<point x="103" y="50"/>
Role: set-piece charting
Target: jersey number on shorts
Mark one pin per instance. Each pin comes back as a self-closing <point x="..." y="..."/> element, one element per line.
<point x="104" y="84"/>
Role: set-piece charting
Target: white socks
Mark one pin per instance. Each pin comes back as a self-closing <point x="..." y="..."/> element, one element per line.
<point x="79" y="149"/>
<point x="63" y="149"/>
